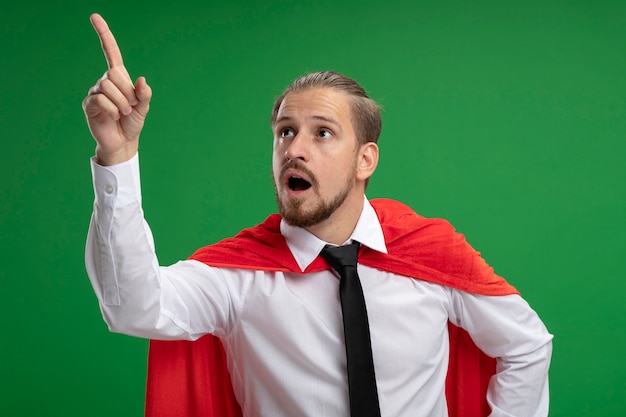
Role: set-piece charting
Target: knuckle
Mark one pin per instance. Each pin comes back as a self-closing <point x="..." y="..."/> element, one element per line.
<point x="104" y="83"/>
<point x="96" y="100"/>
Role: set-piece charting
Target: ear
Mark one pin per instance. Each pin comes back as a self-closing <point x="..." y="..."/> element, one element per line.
<point x="367" y="161"/>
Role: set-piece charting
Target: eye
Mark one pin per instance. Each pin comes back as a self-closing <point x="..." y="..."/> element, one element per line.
<point x="324" y="134"/>
<point x="287" y="133"/>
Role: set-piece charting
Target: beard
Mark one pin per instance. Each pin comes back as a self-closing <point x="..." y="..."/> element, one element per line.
<point x="295" y="215"/>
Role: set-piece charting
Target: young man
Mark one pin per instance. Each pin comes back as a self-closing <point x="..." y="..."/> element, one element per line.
<point x="268" y="295"/>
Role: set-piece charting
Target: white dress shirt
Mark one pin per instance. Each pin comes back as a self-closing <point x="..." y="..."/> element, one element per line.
<point x="283" y="332"/>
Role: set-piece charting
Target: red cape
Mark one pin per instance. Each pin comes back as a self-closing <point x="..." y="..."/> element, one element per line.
<point x="191" y="379"/>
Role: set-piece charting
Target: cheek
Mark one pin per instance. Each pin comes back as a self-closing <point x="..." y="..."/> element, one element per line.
<point x="278" y="147"/>
<point x="277" y="162"/>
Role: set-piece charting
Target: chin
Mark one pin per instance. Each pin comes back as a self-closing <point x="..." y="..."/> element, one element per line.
<point x="295" y="214"/>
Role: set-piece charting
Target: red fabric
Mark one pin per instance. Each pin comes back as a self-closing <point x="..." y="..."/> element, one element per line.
<point x="190" y="378"/>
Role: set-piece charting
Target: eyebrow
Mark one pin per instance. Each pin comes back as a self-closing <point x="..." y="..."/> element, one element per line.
<point x="317" y="117"/>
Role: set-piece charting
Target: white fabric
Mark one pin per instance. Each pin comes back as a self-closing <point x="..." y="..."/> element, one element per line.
<point x="283" y="331"/>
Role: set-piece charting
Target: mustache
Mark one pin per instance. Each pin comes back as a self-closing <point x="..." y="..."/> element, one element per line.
<point x="296" y="164"/>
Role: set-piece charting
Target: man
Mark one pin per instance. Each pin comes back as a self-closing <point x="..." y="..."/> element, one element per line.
<point x="278" y="316"/>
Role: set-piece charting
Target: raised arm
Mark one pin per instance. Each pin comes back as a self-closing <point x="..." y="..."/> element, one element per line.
<point x="115" y="107"/>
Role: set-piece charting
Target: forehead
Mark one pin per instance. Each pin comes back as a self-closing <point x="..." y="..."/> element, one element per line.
<point x="313" y="103"/>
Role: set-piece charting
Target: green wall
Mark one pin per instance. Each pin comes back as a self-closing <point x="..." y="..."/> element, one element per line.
<point x="507" y="118"/>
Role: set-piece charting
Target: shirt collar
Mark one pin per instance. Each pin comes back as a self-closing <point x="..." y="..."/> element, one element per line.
<point x="305" y="246"/>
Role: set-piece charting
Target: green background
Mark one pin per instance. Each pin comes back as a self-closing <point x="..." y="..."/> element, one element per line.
<point x="507" y="118"/>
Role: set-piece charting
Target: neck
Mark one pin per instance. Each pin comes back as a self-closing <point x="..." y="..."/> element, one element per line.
<point x="338" y="228"/>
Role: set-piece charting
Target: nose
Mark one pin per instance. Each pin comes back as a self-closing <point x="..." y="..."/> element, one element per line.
<point x="297" y="148"/>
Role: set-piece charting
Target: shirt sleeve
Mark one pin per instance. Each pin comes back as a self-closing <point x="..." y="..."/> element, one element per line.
<point x="138" y="297"/>
<point x="508" y="329"/>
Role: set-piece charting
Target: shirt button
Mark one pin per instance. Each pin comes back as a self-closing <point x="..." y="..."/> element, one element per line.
<point x="109" y="189"/>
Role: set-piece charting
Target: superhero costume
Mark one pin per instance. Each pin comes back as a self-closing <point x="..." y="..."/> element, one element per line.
<point x="191" y="378"/>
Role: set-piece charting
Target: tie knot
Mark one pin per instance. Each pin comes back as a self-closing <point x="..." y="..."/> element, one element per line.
<point x="341" y="256"/>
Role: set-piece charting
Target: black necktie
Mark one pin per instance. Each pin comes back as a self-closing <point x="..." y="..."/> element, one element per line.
<point x="361" y="378"/>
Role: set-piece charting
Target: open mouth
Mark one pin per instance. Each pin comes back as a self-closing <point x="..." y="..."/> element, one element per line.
<point x="298" y="184"/>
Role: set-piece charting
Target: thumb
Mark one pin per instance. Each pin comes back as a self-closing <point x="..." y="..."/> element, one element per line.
<point x="143" y="92"/>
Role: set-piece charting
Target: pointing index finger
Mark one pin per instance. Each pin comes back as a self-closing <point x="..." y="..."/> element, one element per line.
<point x="107" y="40"/>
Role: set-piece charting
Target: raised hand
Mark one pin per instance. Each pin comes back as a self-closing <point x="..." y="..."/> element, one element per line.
<point x="115" y="108"/>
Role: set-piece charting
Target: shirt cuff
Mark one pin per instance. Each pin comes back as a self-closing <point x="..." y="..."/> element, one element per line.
<point x="118" y="184"/>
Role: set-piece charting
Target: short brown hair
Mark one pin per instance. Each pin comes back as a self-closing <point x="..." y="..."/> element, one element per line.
<point x="365" y="111"/>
